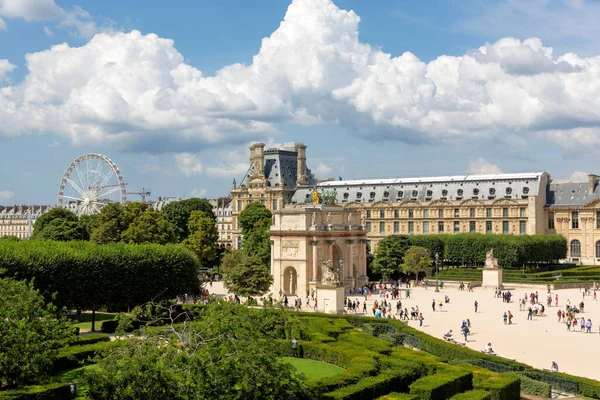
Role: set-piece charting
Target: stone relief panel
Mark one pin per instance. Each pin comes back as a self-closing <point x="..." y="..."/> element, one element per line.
<point x="290" y="248"/>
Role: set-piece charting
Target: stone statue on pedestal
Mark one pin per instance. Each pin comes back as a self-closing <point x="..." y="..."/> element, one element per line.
<point x="490" y="261"/>
<point x="328" y="218"/>
<point x="350" y="218"/>
<point x="328" y="275"/>
<point x="314" y="219"/>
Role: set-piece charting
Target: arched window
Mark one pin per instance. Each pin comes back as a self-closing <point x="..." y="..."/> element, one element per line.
<point x="576" y="248"/>
<point x="598" y="249"/>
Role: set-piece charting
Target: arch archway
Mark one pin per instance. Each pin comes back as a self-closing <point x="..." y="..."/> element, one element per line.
<point x="290" y="281"/>
<point x="338" y="261"/>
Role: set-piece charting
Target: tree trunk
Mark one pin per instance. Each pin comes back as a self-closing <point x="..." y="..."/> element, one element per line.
<point x="93" y="320"/>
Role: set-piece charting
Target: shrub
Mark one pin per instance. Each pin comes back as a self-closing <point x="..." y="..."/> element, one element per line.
<point x="52" y="391"/>
<point x="531" y="386"/>
<point x="500" y="386"/>
<point x="472" y="395"/>
<point x="443" y="384"/>
<point x="74" y="356"/>
<point x="398" y="396"/>
<point x="364" y="340"/>
<point x="90" y="339"/>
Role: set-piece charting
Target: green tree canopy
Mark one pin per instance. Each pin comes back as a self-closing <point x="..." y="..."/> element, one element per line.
<point x="223" y="355"/>
<point x="203" y="237"/>
<point x="55" y="213"/>
<point x="178" y="213"/>
<point x="246" y="275"/>
<point x="255" y="216"/>
<point x="30" y="336"/>
<point x="63" y="230"/>
<point x="416" y="260"/>
<point x="389" y="255"/>
<point x="149" y="227"/>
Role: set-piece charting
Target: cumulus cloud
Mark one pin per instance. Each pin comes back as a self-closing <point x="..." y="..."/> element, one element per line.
<point x="47" y="10"/>
<point x="137" y="93"/>
<point x="579" y="176"/>
<point x="5" y="68"/>
<point x="322" y="170"/>
<point x="3" y="25"/>
<point x="199" y="193"/>
<point x="6" y="195"/>
<point x="188" y="164"/>
<point x="480" y="166"/>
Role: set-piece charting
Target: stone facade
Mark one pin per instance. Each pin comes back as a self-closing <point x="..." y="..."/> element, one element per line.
<point x="19" y="220"/>
<point x="304" y="238"/>
<point x="271" y="179"/>
<point x="223" y="209"/>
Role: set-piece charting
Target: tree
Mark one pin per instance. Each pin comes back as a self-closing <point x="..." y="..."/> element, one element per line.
<point x="30" y="336"/>
<point x="63" y="230"/>
<point x="111" y="223"/>
<point x="245" y="275"/>
<point x="203" y="237"/>
<point x="149" y="227"/>
<point x="89" y="223"/>
<point x="223" y="355"/>
<point x="179" y="212"/>
<point x="254" y="216"/>
<point x="389" y="254"/>
<point x="416" y="260"/>
<point x="55" y="213"/>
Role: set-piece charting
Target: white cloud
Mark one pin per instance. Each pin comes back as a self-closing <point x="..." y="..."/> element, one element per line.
<point x="3" y="25"/>
<point x="199" y="193"/>
<point x="188" y="164"/>
<point x="322" y="170"/>
<point x="480" y="166"/>
<point x="6" y="195"/>
<point x="47" y="10"/>
<point x="137" y="93"/>
<point x="579" y="176"/>
<point x="5" y="68"/>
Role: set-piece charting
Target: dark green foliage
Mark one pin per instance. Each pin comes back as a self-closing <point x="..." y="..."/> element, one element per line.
<point x="442" y="385"/>
<point x="30" y="337"/>
<point x="531" y="386"/>
<point x="500" y="386"/>
<point x="86" y="277"/>
<point x="9" y="238"/>
<point x="74" y="356"/>
<point x="473" y="395"/>
<point x="179" y="213"/>
<point x="59" y="224"/>
<point x="90" y="339"/>
<point x="416" y="260"/>
<point x="55" y="213"/>
<point x="221" y="355"/>
<point x="52" y="391"/>
<point x="248" y="271"/>
<point x="433" y="243"/>
<point x="388" y="258"/>
<point x="148" y="227"/>
<point x="203" y="238"/>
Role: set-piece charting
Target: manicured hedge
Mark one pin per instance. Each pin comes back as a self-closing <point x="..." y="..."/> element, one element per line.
<point x="443" y="384"/>
<point x="74" y="356"/>
<point x="90" y="339"/>
<point x="531" y="386"/>
<point x="398" y="396"/>
<point x="472" y="395"/>
<point x="52" y="391"/>
<point x="500" y="386"/>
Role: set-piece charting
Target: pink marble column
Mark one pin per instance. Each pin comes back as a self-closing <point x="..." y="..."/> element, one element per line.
<point x="350" y="258"/>
<point x="364" y="258"/>
<point x="330" y="250"/>
<point x="315" y="264"/>
<point x="272" y="257"/>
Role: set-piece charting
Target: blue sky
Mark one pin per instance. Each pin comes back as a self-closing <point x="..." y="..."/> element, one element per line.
<point x="413" y="89"/>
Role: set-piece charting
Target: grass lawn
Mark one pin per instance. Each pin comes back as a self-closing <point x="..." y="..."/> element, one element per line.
<point x="313" y="369"/>
<point x="86" y="324"/>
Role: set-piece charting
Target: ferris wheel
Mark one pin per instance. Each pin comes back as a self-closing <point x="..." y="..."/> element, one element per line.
<point x="90" y="182"/>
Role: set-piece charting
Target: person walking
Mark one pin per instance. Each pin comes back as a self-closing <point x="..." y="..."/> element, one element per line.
<point x="505" y="318"/>
<point x="530" y="314"/>
<point x="433" y="305"/>
<point x="510" y="317"/>
<point x="556" y="300"/>
<point x="582" y="324"/>
<point x="476" y="304"/>
<point x="421" y="318"/>
<point x="588" y="326"/>
<point x="569" y="324"/>
<point x="295" y="347"/>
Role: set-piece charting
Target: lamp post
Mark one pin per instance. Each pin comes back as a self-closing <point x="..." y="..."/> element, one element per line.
<point x="437" y="285"/>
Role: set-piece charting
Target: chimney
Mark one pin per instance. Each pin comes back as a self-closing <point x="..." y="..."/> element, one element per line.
<point x="257" y="162"/>
<point x="592" y="179"/>
<point x="301" y="178"/>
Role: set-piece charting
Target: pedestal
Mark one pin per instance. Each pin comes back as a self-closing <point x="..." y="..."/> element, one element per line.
<point x="492" y="278"/>
<point x="330" y="299"/>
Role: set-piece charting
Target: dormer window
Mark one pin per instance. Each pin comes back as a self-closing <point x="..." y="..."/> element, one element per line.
<point x="400" y="194"/>
<point x="346" y="195"/>
<point x="508" y="190"/>
<point x="525" y="190"/>
<point x="444" y="193"/>
<point x="372" y="195"/>
<point x="459" y="192"/>
<point x="429" y="193"/>
<point x="492" y="191"/>
<point x="386" y="194"/>
<point x="358" y="195"/>
<point x="475" y="192"/>
<point x="415" y="193"/>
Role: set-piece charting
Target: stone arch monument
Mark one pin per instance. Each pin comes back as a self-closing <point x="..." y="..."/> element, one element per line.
<point x="324" y="244"/>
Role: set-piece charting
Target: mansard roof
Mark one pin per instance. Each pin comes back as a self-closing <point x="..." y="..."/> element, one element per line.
<point x="280" y="168"/>
<point x="426" y="189"/>
<point x="570" y="194"/>
<point x="23" y="211"/>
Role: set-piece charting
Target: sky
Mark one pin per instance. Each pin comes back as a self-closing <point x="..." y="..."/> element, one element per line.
<point x="175" y="92"/>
